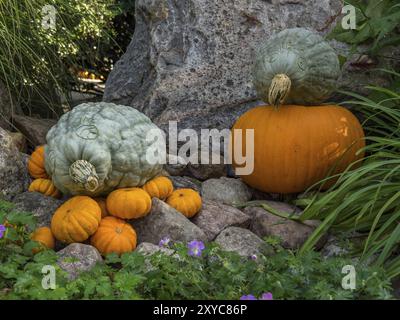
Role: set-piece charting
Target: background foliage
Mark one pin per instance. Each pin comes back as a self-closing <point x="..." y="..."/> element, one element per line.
<point x="39" y="67"/>
<point x="377" y="24"/>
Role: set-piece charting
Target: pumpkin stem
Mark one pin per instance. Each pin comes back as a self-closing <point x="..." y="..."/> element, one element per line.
<point x="84" y="173"/>
<point x="279" y="89"/>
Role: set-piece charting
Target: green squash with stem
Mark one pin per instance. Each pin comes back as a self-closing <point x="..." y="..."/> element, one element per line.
<point x="296" y="66"/>
<point x="98" y="147"/>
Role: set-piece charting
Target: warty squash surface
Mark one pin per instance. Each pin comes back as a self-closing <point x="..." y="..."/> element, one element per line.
<point x="98" y="147"/>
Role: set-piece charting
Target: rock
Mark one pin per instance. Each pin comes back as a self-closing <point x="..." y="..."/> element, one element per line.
<point x="225" y="190"/>
<point x="14" y="177"/>
<point x="42" y="207"/>
<point x="215" y="217"/>
<point x="259" y="195"/>
<point x="19" y="141"/>
<point x="190" y="61"/>
<point x="148" y="249"/>
<point x="186" y="182"/>
<point x="242" y="241"/>
<point x="333" y="248"/>
<point x="293" y="234"/>
<point x="77" y="258"/>
<point x="214" y="169"/>
<point x="279" y="206"/>
<point x="165" y="221"/>
<point x="176" y="166"/>
<point x="25" y="159"/>
<point x="34" y="129"/>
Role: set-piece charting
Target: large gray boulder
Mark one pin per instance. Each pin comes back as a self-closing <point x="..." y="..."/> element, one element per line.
<point x="191" y="61"/>
<point x="165" y="221"/>
<point x="14" y="177"/>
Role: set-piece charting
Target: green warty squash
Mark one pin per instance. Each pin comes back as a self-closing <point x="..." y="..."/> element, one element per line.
<point x="98" y="147"/>
<point x="295" y="66"/>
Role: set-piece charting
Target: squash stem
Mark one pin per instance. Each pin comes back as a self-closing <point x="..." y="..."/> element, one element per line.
<point x="279" y="89"/>
<point x="84" y="173"/>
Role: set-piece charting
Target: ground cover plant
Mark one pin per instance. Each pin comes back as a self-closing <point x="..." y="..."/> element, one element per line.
<point x="193" y="271"/>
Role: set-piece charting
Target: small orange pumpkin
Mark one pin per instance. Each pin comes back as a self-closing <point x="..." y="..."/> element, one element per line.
<point x="160" y="187"/>
<point x="129" y="203"/>
<point x="36" y="164"/>
<point x="44" y="186"/>
<point x="186" y="201"/>
<point x="45" y="237"/>
<point x="103" y="206"/>
<point x="76" y="220"/>
<point x="114" y="235"/>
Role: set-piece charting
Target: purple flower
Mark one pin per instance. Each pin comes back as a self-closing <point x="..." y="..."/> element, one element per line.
<point x="253" y="257"/>
<point x="195" y="248"/>
<point x="267" y="296"/>
<point x="164" y="242"/>
<point x="248" y="297"/>
<point x="2" y="230"/>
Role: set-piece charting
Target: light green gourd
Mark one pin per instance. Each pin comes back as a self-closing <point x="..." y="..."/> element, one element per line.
<point x="296" y="66"/>
<point x="98" y="147"/>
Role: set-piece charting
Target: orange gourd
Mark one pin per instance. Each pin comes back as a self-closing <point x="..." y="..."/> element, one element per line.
<point x="186" y="201"/>
<point x="114" y="235"/>
<point x="129" y="203"/>
<point x="297" y="146"/>
<point x="36" y="164"/>
<point x="44" y="186"/>
<point x="76" y="220"/>
<point x="103" y="206"/>
<point x="45" y="237"/>
<point x="160" y="187"/>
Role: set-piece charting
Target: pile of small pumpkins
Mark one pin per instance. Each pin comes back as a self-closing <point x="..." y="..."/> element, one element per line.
<point x="102" y="221"/>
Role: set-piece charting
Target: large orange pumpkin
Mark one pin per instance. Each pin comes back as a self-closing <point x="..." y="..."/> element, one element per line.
<point x="297" y="146"/>
<point x="36" y="164"/>
<point x="114" y="235"/>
